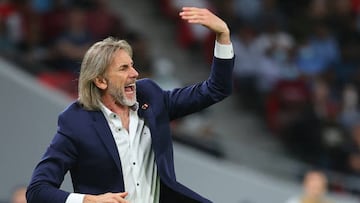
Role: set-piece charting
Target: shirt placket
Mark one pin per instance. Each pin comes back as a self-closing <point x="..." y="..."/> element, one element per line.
<point x="122" y="139"/>
<point x="134" y="162"/>
<point x="134" y="149"/>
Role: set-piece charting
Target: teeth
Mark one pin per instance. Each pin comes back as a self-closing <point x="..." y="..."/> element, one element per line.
<point x="131" y="86"/>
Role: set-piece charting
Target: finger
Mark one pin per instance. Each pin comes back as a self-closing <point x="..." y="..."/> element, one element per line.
<point x="123" y="194"/>
<point x="119" y="198"/>
<point x="192" y="11"/>
<point x="187" y="8"/>
<point x="193" y="17"/>
<point x="187" y="15"/>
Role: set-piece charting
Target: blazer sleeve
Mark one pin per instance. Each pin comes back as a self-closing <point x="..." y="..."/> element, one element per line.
<point x="218" y="86"/>
<point x="49" y="174"/>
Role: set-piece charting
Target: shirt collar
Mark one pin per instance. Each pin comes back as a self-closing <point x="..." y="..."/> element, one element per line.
<point x="109" y="113"/>
<point x="135" y="107"/>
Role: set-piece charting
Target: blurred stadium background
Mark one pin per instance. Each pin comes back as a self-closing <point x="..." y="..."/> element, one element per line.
<point x="296" y="84"/>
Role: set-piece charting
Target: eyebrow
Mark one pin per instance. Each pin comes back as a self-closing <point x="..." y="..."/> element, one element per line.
<point x="126" y="65"/>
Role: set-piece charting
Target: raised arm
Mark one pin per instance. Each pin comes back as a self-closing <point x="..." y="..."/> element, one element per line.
<point x="206" y="18"/>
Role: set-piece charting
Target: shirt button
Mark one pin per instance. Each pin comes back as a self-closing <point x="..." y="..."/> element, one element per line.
<point x="137" y="184"/>
<point x="114" y="116"/>
<point x="134" y="163"/>
<point x="119" y="129"/>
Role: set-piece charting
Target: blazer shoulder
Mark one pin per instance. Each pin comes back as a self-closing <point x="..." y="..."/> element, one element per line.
<point x="74" y="111"/>
<point x="147" y="83"/>
<point x="75" y="118"/>
<point x="146" y="88"/>
<point x="74" y="106"/>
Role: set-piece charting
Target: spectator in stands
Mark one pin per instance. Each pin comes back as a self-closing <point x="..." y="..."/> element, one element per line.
<point x="313" y="129"/>
<point x="10" y="27"/>
<point x="102" y="22"/>
<point x="349" y="43"/>
<point x="115" y="139"/>
<point x="285" y="103"/>
<point x="248" y="10"/>
<point x="277" y="42"/>
<point x="277" y="45"/>
<point x="340" y="15"/>
<point x="325" y="104"/>
<point x="318" y="52"/>
<point x="292" y="9"/>
<point x="72" y="44"/>
<point x="350" y="113"/>
<point x="53" y="22"/>
<point x="18" y="195"/>
<point x="248" y="63"/>
<point x="41" y="6"/>
<point x="5" y="46"/>
<point x="301" y="16"/>
<point x="67" y="52"/>
<point x="164" y="74"/>
<point x="270" y="10"/>
<point x="318" y="10"/>
<point x="355" y="78"/>
<point x="29" y="35"/>
<point x="315" y="185"/>
<point x="353" y="150"/>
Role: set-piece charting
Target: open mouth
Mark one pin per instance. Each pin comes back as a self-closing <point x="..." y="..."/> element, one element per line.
<point x="130" y="88"/>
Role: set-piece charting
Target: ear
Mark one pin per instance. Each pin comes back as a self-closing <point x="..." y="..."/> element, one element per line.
<point x="100" y="82"/>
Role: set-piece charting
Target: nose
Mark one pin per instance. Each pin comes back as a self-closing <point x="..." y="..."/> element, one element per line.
<point x="134" y="73"/>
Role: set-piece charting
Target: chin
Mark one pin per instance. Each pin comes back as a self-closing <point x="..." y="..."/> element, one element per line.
<point x="130" y="102"/>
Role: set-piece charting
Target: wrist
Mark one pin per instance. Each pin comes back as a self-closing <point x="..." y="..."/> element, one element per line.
<point x="89" y="199"/>
<point x="223" y="37"/>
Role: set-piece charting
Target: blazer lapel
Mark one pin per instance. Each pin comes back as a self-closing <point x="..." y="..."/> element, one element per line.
<point x="145" y="111"/>
<point x="104" y="132"/>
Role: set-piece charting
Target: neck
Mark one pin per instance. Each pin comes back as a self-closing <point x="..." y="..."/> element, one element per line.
<point x="114" y="106"/>
<point x="119" y="109"/>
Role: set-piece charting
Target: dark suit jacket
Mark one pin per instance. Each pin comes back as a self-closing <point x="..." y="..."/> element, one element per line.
<point x="84" y="144"/>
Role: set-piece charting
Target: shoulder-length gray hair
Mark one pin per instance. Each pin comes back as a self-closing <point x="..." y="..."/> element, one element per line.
<point x="95" y="62"/>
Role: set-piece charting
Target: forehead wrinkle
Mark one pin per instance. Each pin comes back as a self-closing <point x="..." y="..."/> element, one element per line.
<point x="121" y="58"/>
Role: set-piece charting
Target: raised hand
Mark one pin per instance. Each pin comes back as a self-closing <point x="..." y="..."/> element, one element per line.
<point x="206" y="18"/>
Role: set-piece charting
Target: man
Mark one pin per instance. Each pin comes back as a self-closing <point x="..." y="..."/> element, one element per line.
<point x="18" y="195"/>
<point x="315" y="188"/>
<point x="115" y="139"/>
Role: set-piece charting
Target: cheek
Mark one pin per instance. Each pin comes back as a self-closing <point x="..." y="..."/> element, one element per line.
<point x="116" y="86"/>
<point x="118" y="80"/>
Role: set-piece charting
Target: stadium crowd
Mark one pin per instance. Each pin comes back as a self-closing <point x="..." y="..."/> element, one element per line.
<point x="49" y="37"/>
<point x="298" y="68"/>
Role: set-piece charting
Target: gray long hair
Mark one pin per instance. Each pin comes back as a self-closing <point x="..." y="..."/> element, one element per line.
<point x="95" y="62"/>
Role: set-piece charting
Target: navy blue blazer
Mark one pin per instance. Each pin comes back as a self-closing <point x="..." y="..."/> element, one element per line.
<point x="84" y="145"/>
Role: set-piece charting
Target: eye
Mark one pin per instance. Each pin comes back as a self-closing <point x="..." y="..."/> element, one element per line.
<point x="124" y="67"/>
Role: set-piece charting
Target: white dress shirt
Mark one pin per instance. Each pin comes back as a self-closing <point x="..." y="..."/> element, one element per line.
<point x="137" y="157"/>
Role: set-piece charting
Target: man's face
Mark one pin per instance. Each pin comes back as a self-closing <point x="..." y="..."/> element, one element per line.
<point x="315" y="184"/>
<point x="121" y="77"/>
<point x="19" y="196"/>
